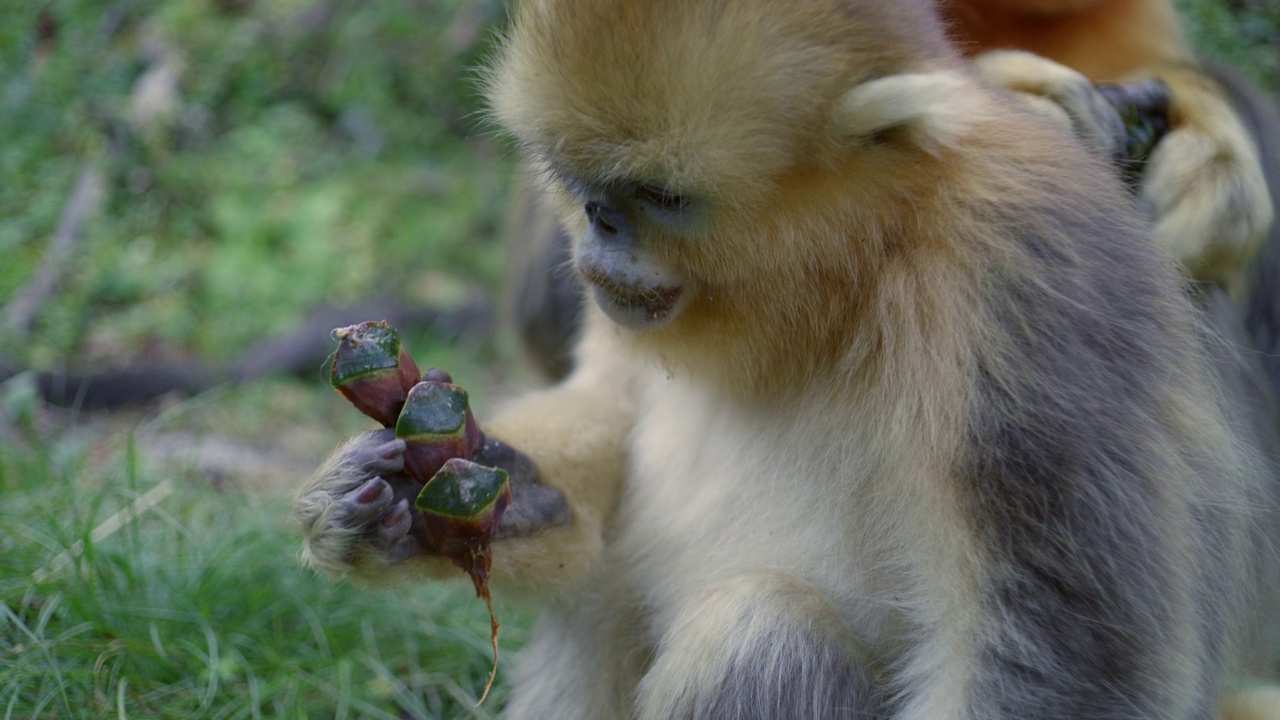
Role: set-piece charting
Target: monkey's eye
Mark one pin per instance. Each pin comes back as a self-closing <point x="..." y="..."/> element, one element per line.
<point x="663" y="199"/>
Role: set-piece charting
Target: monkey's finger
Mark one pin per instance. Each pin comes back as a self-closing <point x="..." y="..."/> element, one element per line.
<point x="403" y="549"/>
<point x="393" y="525"/>
<point x="391" y="536"/>
<point x="388" y="458"/>
<point x="361" y="506"/>
<point x="379" y="452"/>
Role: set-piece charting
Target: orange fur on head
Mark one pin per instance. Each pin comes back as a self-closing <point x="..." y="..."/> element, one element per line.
<point x="568" y="86"/>
<point x="1109" y="40"/>
<point x="830" y="171"/>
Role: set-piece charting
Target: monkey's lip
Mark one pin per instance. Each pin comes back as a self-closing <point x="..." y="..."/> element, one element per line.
<point x="635" y="306"/>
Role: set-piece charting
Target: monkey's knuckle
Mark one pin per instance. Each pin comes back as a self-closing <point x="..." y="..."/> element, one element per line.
<point x="400" y="550"/>
<point x="355" y="515"/>
<point x="388" y="538"/>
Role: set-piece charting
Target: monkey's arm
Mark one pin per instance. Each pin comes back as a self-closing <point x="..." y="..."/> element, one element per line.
<point x="575" y="434"/>
<point x="563" y="448"/>
<point x="1204" y="182"/>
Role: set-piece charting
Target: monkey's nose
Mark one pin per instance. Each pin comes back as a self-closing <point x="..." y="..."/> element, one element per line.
<point x="605" y="219"/>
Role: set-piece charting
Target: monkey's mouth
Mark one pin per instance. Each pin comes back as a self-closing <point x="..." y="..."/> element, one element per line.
<point x="636" y="306"/>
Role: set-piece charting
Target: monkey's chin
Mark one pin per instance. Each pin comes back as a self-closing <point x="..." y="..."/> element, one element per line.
<point x="639" y="308"/>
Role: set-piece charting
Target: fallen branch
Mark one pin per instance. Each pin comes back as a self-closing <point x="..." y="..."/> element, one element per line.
<point x="86" y="198"/>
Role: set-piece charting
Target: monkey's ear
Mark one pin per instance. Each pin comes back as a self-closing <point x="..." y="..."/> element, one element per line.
<point x="931" y="110"/>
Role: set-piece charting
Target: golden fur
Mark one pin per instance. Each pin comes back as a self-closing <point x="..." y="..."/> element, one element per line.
<point x="1204" y="184"/>
<point x="931" y="431"/>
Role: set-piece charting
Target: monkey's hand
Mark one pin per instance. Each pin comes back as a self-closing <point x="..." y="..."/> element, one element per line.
<point x="356" y="512"/>
<point x="357" y="517"/>
<point x="1059" y="93"/>
<point x="1203" y="184"/>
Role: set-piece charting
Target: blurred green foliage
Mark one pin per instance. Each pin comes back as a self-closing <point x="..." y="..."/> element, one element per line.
<point x="1242" y="33"/>
<point x="309" y="151"/>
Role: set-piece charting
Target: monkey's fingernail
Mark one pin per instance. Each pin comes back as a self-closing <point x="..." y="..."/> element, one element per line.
<point x="437" y="375"/>
<point x="389" y="450"/>
<point x="370" y="491"/>
<point x="396" y="513"/>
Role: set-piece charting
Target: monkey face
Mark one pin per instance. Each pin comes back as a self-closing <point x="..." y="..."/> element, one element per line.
<point x="715" y="164"/>
<point x="632" y="288"/>
<point x="634" y="285"/>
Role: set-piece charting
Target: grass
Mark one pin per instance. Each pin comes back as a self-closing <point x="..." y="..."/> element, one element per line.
<point x="197" y="607"/>
<point x="285" y="148"/>
<point x="315" y="152"/>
